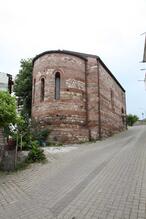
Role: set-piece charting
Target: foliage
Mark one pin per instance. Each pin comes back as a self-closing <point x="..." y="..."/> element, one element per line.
<point x="20" y="123"/>
<point x="23" y="86"/>
<point x="131" y="119"/>
<point x="25" y="132"/>
<point x="36" y="153"/>
<point x="40" y="135"/>
<point x="20" y="132"/>
<point x="7" y="109"/>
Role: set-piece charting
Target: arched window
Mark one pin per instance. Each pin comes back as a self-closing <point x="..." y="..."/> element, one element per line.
<point x="122" y="110"/>
<point x="57" y="85"/>
<point x="123" y="118"/>
<point x="42" y="89"/>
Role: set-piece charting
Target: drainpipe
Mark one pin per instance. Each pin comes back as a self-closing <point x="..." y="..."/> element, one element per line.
<point x="86" y="102"/>
<point x="99" y="106"/>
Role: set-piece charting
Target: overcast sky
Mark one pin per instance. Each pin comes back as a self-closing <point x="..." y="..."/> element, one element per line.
<point x="108" y="28"/>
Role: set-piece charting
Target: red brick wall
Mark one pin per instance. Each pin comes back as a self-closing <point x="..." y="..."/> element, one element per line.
<point x="66" y="116"/>
<point x="84" y="108"/>
<point x="111" y="108"/>
<point x="92" y="98"/>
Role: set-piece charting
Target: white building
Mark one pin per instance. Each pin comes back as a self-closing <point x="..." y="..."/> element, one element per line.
<point x="6" y="82"/>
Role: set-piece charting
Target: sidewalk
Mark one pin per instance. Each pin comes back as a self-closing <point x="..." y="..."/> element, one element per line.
<point x="103" y="180"/>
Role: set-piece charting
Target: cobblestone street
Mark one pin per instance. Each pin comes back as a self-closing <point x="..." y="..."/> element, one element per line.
<point x="102" y="180"/>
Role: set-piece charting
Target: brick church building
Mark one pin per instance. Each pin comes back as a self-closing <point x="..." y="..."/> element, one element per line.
<point x="76" y="96"/>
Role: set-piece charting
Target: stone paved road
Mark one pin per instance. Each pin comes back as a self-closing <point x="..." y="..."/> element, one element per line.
<point x="102" y="180"/>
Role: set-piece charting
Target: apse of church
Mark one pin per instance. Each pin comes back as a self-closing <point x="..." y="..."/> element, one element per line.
<point x="76" y="96"/>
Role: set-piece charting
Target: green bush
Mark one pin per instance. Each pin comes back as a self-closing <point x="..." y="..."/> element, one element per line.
<point x="41" y="136"/>
<point x="131" y="119"/>
<point x="36" y="154"/>
<point x="26" y="146"/>
<point x="7" y="109"/>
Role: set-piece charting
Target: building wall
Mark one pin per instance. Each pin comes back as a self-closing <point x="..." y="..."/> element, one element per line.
<point x="3" y="81"/>
<point x="66" y="117"/>
<point x="112" y="104"/>
<point x="85" y="109"/>
<point x="92" y="98"/>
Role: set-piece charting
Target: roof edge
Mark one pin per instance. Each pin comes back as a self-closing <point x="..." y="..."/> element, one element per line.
<point x="59" y="51"/>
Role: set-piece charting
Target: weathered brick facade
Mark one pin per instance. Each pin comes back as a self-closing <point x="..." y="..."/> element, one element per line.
<point x="91" y="102"/>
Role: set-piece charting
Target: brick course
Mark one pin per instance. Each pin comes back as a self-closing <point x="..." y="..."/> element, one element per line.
<point x="85" y="109"/>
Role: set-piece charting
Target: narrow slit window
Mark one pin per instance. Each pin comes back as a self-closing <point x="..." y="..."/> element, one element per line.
<point x="42" y="89"/>
<point x="123" y="119"/>
<point x="57" y="86"/>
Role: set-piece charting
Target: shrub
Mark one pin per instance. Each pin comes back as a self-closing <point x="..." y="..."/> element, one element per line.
<point x="131" y="119"/>
<point x="36" y="154"/>
<point x="40" y="136"/>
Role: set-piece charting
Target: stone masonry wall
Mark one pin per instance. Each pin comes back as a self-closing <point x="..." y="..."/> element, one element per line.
<point x="92" y="98"/>
<point x="112" y="104"/>
<point x="91" y="103"/>
<point x="67" y="116"/>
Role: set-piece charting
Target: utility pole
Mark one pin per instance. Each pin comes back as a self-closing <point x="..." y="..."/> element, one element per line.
<point x="144" y="53"/>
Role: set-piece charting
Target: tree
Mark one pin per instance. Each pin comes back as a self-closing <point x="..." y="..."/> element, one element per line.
<point x="7" y="109"/>
<point x="131" y="119"/>
<point x="23" y="86"/>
